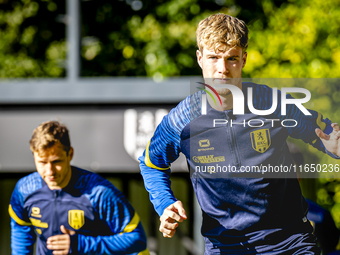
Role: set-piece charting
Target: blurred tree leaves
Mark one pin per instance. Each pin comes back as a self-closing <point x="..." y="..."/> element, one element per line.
<point x="301" y="39"/>
<point x="32" y="42"/>
<point x="157" y="39"/>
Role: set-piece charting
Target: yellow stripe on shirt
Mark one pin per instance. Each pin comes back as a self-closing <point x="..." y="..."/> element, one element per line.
<point x="132" y="225"/>
<point x="319" y="122"/>
<point x="148" y="161"/>
<point x="145" y="252"/>
<point x="16" y="218"/>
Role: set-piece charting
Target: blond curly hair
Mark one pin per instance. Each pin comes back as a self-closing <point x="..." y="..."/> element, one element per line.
<point x="220" y="31"/>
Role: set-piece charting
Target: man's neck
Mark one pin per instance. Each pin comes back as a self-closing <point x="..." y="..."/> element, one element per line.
<point x="227" y="103"/>
<point x="226" y="99"/>
<point x="64" y="182"/>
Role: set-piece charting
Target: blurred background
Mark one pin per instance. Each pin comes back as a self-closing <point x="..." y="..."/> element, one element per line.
<point x="110" y="70"/>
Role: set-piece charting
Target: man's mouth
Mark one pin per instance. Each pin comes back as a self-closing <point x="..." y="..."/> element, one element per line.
<point x="221" y="81"/>
<point x="51" y="178"/>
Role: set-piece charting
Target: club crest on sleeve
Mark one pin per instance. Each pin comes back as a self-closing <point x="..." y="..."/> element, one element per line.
<point x="76" y="218"/>
<point x="260" y="140"/>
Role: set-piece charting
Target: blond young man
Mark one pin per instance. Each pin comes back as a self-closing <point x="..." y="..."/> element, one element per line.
<point x="68" y="210"/>
<point x="241" y="215"/>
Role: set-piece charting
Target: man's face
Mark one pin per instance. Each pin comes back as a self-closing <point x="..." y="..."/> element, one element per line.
<point x="54" y="166"/>
<point x="222" y="67"/>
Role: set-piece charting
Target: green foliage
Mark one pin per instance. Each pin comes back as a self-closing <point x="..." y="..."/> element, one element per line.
<point x="29" y="47"/>
<point x="158" y="40"/>
<point x="301" y="40"/>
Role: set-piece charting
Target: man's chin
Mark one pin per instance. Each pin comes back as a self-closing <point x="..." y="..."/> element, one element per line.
<point x="222" y="91"/>
<point x="51" y="182"/>
<point x="231" y="81"/>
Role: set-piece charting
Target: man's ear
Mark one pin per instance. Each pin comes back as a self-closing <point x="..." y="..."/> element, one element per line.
<point x="199" y="58"/>
<point x="70" y="153"/>
<point x="244" y="59"/>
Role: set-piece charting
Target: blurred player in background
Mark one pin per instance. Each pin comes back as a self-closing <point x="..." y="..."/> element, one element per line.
<point x="256" y="215"/>
<point x="324" y="227"/>
<point x="68" y="210"/>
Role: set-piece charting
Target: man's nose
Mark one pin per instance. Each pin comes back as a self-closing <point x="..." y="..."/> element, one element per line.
<point x="50" y="168"/>
<point x="222" y="66"/>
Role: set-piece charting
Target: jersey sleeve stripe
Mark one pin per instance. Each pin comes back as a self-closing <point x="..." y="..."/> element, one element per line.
<point x="320" y="123"/>
<point x="148" y="161"/>
<point x="16" y="218"/>
<point x="132" y="225"/>
<point x="145" y="252"/>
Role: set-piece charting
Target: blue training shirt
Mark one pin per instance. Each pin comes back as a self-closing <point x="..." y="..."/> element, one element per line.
<point x="246" y="214"/>
<point x="104" y="221"/>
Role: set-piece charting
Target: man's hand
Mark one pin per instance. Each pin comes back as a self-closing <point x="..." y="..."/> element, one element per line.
<point x="60" y="244"/>
<point x="173" y="214"/>
<point x="331" y="141"/>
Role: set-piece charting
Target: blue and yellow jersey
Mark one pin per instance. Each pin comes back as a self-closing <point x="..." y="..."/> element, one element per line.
<point x="238" y="213"/>
<point x="104" y="221"/>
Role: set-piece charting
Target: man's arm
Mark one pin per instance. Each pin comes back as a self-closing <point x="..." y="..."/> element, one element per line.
<point x="126" y="235"/>
<point x="126" y="242"/>
<point x="316" y="130"/>
<point x="22" y="239"/>
<point x="122" y="243"/>
<point x="23" y="236"/>
<point x="313" y="129"/>
<point x="162" y="150"/>
<point x="132" y="241"/>
<point x="157" y="183"/>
